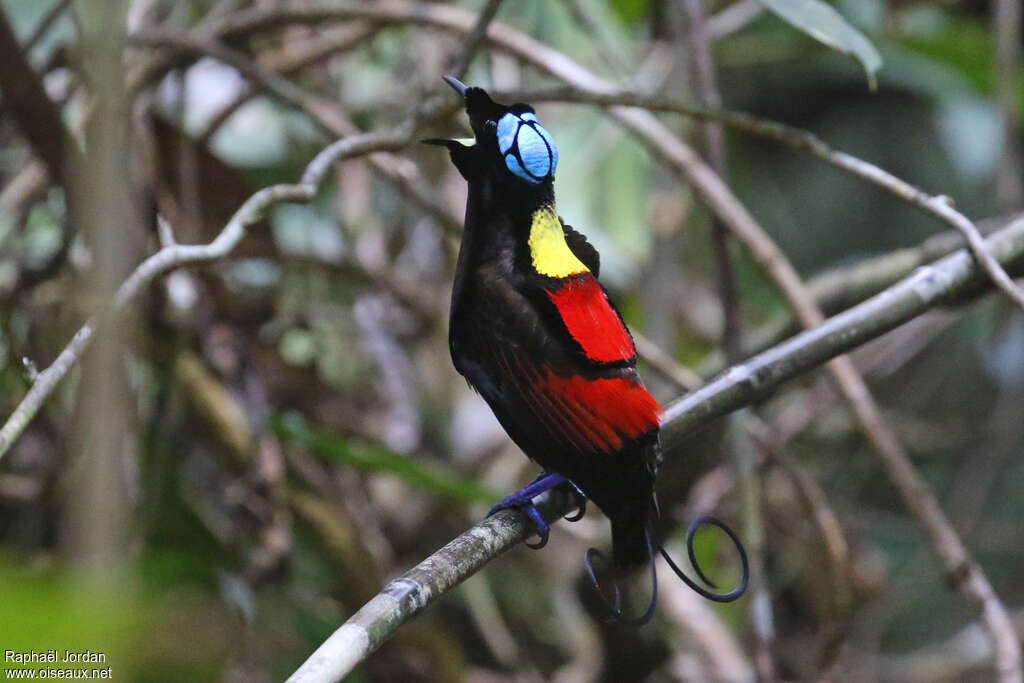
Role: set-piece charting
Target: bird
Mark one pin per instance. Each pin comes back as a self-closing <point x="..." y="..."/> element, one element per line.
<point x="535" y="333"/>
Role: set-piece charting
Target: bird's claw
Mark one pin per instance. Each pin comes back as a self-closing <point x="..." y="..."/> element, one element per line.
<point x="523" y="500"/>
<point x="581" y="503"/>
<point x="540" y="525"/>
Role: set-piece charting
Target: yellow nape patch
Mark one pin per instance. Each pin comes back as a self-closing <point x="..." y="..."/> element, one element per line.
<point x="549" y="251"/>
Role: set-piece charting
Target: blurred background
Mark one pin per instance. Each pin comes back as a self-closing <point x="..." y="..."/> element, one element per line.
<point x="258" y="445"/>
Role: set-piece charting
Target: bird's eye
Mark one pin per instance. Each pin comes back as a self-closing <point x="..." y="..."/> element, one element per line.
<point x="528" y="149"/>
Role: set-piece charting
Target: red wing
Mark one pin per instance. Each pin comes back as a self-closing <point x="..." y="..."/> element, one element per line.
<point x="588" y="415"/>
<point x="537" y="383"/>
<point x="588" y="315"/>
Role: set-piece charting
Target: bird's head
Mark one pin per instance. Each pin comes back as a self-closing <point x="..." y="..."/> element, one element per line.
<point x="509" y="144"/>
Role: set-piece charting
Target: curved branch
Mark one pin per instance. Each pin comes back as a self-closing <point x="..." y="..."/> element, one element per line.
<point x="928" y="286"/>
<point x="964" y="574"/>
<point x="177" y="255"/>
<point x="939" y="206"/>
<point x="411" y="593"/>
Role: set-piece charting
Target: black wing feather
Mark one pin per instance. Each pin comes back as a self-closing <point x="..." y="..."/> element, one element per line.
<point x="583" y="249"/>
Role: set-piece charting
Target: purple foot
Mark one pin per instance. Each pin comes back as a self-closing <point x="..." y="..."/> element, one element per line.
<point x="523" y="500"/>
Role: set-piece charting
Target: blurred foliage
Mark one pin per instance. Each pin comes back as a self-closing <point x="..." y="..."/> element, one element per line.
<point x="430" y="479"/>
<point x="823" y="23"/>
<point x="300" y="435"/>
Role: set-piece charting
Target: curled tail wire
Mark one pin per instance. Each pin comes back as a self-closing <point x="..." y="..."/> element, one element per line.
<point x="691" y="531"/>
<point x="614" y="607"/>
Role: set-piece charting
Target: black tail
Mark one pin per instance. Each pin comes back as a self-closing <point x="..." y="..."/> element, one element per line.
<point x="630" y="548"/>
<point x="629" y="538"/>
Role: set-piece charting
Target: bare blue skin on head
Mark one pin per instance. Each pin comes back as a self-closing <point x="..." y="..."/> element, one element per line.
<point x="529" y="150"/>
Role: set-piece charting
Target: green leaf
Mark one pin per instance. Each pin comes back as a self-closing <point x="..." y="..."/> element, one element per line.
<point x="824" y="24"/>
<point x="293" y="428"/>
<point x="631" y="11"/>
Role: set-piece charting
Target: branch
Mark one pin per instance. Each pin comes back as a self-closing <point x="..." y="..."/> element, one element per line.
<point x="323" y="113"/>
<point x="844" y="286"/>
<point x="177" y="255"/>
<point x="45" y="24"/>
<point x="475" y="39"/>
<point x="35" y="113"/>
<point x="733" y="18"/>
<point x="927" y="287"/>
<point x="288" y="63"/>
<point x="963" y="572"/>
<point x="714" y="154"/>
<point x="938" y="206"/>
<point x="411" y="593"/>
<point x="749" y="479"/>
<point x="1007" y="17"/>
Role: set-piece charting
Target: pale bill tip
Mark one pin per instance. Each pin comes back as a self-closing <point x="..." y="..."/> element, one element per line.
<point x="457" y="85"/>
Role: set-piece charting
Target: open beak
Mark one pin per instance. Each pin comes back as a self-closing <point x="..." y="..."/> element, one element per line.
<point x="461" y="88"/>
<point x="457" y="85"/>
<point x="442" y="142"/>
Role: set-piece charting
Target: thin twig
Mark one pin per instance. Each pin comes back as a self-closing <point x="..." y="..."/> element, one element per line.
<point x="937" y="205"/>
<point x="928" y="286"/>
<point x="45" y="22"/>
<point x="707" y="88"/>
<point x="750" y="485"/>
<point x="1007" y="17"/>
<point x="192" y="43"/>
<point x="178" y="255"/>
<point x="26" y="182"/>
<point x="964" y="574"/>
<point x="326" y="115"/>
<point x="959" y="657"/>
<point x="698" y="622"/>
<point x="410" y="594"/>
<point x="665" y="365"/>
<point x="847" y="285"/>
<point x="317" y="50"/>
<point x="37" y="116"/>
<point x="815" y="501"/>
<point x="749" y="480"/>
<point x="733" y="18"/>
<point x="475" y="39"/>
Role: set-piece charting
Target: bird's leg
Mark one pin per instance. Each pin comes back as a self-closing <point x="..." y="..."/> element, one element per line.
<point x="523" y="500"/>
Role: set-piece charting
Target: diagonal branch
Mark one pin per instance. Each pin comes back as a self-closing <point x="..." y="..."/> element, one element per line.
<point x="938" y="206"/>
<point x="325" y="114"/>
<point x="411" y="593"/>
<point x="714" y="152"/>
<point x="174" y="256"/>
<point x="37" y="116"/>
<point x="964" y="574"/>
<point x="927" y="287"/>
<point x="475" y="39"/>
